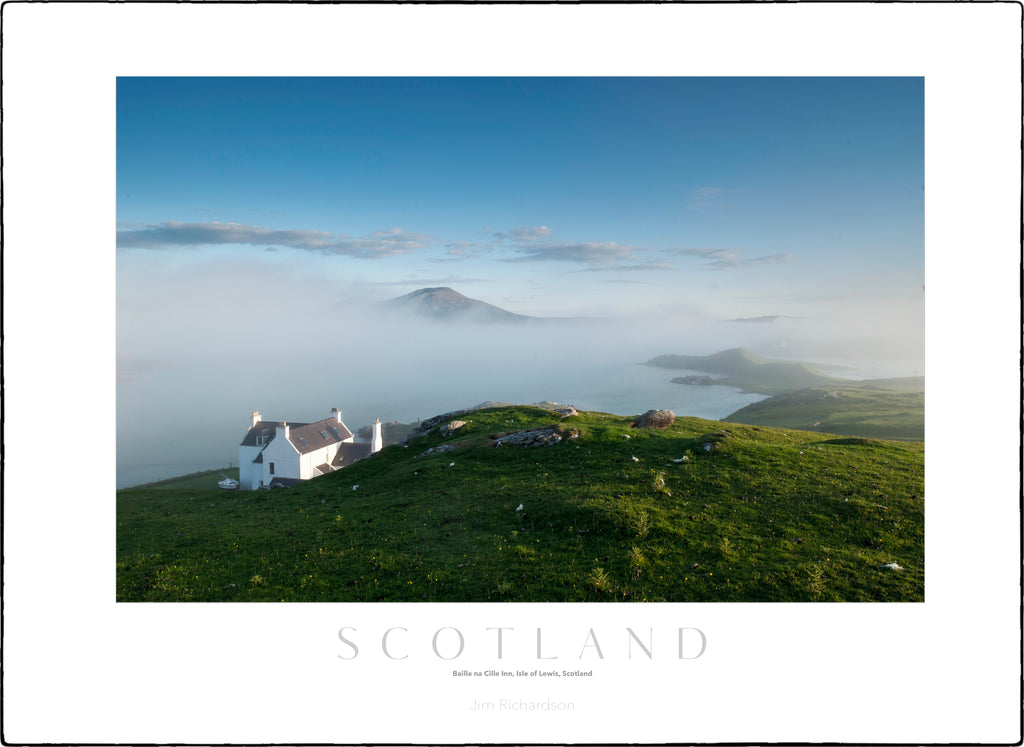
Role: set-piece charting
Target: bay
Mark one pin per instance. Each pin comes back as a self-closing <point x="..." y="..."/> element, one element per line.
<point x="189" y="416"/>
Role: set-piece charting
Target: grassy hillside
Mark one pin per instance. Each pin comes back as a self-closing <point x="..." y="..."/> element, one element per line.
<point x="852" y="411"/>
<point x="748" y="371"/>
<point x="609" y="513"/>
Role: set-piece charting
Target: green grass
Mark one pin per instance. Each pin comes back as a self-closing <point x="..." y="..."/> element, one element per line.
<point x="766" y="515"/>
<point x="864" y="411"/>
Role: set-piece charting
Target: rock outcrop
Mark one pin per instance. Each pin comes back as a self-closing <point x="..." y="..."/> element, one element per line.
<point x="655" y="419"/>
<point x="533" y="437"/>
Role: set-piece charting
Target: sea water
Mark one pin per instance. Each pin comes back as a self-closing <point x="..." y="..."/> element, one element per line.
<point x="191" y="416"/>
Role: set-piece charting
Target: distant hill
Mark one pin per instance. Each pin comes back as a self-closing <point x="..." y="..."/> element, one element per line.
<point x="728" y="361"/>
<point x="445" y="304"/>
<point x="876" y="408"/>
<point x="702" y="511"/>
<point x="748" y="371"/>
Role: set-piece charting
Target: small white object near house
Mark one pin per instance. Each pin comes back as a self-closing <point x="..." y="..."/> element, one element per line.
<point x="283" y="454"/>
<point x="519" y="507"/>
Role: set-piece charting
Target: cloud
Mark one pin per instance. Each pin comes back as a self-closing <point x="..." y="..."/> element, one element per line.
<point x="591" y="253"/>
<point x="459" y="250"/>
<point x="652" y="265"/>
<point x="528" y="246"/>
<point x="176" y="234"/>
<point x="729" y="259"/>
<point x="529" y="234"/>
<point x="397" y="234"/>
<point x="522" y="235"/>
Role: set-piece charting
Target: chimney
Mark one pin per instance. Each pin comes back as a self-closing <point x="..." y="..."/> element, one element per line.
<point x="283" y="429"/>
<point x="255" y="418"/>
<point x="377" y="442"/>
<point x="336" y="414"/>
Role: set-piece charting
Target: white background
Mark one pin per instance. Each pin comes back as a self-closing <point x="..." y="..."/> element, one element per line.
<point x="80" y="668"/>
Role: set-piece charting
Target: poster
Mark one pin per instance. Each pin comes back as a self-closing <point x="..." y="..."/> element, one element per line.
<point x="946" y="670"/>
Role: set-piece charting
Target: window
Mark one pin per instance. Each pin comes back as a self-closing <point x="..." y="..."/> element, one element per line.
<point x="303" y="441"/>
<point x="324" y="434"/>
<point x="271" y="468"/>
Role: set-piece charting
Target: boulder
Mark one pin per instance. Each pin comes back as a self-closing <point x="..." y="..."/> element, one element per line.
<point x="447" y="428"/>
<point x="655" y="419"/>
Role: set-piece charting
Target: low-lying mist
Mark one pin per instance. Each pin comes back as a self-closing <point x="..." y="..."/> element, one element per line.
<point x="193" y="365"/>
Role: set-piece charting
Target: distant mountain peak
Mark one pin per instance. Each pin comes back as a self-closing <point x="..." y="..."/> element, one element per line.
<point x="441" y="289"/>
<point x="445" y="304"/>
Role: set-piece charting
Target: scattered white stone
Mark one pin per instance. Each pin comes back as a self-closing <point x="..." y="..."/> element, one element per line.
<point x="893" y="566"/>
<point x="625" y="436"/>
<point x="635" y="459"/>
<point x="519" y="507"/>
<point x="679" y="461"/>
<point x="708" y="447"/>
<point x="354" y="487"/>
<point x="452" y="464"/>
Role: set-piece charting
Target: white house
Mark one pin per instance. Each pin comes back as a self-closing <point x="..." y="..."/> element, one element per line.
<point x="286" y="453"/>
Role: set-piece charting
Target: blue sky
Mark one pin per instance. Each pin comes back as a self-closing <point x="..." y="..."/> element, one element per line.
<point x="738" y="196"/>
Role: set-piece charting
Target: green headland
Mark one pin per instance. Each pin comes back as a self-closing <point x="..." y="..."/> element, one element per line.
<point x="700" y="511"/>
<point x="804" y="398"/>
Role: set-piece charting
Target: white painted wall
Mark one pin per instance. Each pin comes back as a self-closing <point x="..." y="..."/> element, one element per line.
<point x="249" y="474"/>
<point x="377" y="439"/>
<point x="284" y="457"/>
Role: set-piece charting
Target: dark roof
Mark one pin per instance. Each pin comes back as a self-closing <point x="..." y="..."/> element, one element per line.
<point x="265" y="428"/>
<point x="284" y="482"/>
<point x="258" y="459"/>
<point x="336" y="433"/>
<point x="349" y="453"/>
<point x="313" y="433"/>
<point x="323" y="469"/>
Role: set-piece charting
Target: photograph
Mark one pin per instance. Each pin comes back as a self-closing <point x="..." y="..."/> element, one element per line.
<point x="520" y="339"/>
